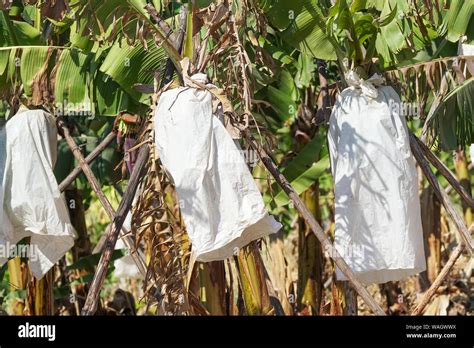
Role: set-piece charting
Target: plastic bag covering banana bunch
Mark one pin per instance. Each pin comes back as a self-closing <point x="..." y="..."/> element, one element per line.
<point x="30" y="202"/>
<point x="377" y="210"/>
<point x="221" y="205"/>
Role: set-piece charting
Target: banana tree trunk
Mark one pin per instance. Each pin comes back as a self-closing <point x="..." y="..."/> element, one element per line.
<point x="18" y="271"/>
<point x="253" y="281"/>
<point x="396" y="304"/>
<point x="39" y="295"/>
<point x="310" y="259"/>
<point x="462" y="173"/>
<point x="344" y="299"/>
<point x="279" y="272"/>
<point x="431" y="218"/>
<point x="213" y="287"/>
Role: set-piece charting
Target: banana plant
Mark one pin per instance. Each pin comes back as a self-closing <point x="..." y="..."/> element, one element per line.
<point x="394" y="35"/>
<point x="104" y="55"/>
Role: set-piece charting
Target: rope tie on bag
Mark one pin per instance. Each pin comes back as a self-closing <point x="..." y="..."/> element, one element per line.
<point x="368" y="87"/>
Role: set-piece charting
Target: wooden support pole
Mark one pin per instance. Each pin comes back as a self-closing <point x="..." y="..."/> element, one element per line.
<point x="86" y="169"/>
<point x="90" y="306"/>
<point x="466" y="196"/>
<point x="97" y="189"/>
<point x="420" y="151"/>
<point x="91" y="157"/>
<point x="441" y="193"/>
<point x="439" y="280"/>
<point x="313" y="224"/>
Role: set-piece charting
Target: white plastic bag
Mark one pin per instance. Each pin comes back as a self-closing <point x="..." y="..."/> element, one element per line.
<point x="471" y="152"/>
<point x="466" y="49"/>
<point x="221" y="205"/>
<point x="378" y="222"/>
<point x="30" y="202"/>
<point x="125" y="267"/>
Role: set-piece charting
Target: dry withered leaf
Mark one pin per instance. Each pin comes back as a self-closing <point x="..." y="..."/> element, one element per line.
<point x="42" y="87"/>
<point x="5" y="4"/>
<point x="55" y="9"/>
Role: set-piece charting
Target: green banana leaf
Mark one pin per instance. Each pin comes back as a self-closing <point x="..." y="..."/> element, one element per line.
<point x="457" y="19"/>
<point x="302" y="23"/>
<point x="453" y="119"/>
<point x="72" y="77"/>
<point x="32" y="60"/>
<point x="304" y="169"/>
<point x="128" y="66"/>
<point x="307" y="33"/>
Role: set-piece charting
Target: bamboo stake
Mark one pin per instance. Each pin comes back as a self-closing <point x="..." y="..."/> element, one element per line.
<point x="427" y="296"/>
<point x="91" y="157"/>
<point x="440" y="193"/>
<point x="445" y="172"/>
<point x="313" y="224"/>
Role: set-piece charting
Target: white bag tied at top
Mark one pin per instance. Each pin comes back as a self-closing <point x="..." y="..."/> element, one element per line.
<point x="378" y="228"/>
<point x="30" y="201"/>
<point x="221" y="205"/>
